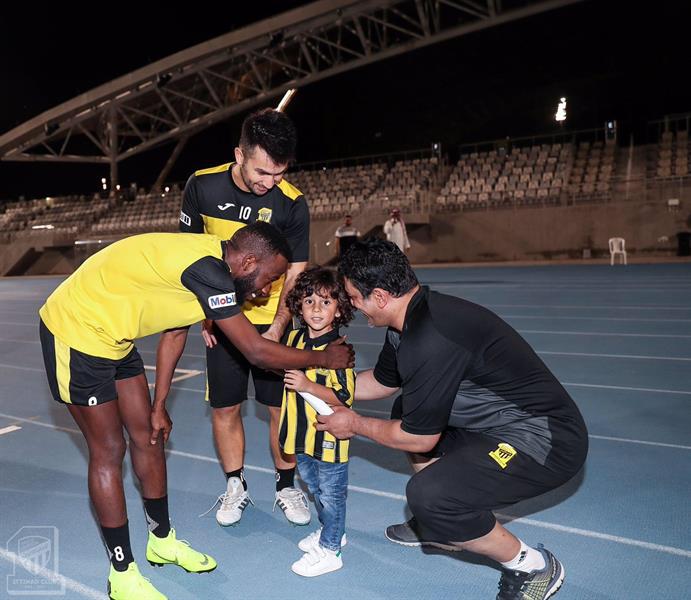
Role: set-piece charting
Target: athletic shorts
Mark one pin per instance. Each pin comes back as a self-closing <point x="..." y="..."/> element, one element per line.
<point x="227" y="376"/>
<point x="82" y="379"/>
<point x="476" y="474"/>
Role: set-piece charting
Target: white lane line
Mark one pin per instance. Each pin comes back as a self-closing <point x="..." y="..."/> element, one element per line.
<point x="6" y="366"/>
<point x="375" y="492"/>
<point x="186" y="354"/>
<point x="9" y="429"/>
<point x="46" y="574"/>
<point x="629" y="441"/>
<point x="387" y="413"/>
<point x="602" y="333"/>
<point x="367" y="410"/>
<point x="623" y="387"/>
<point x="597" y="535"/>
<point x="573" y="318"/>
<point x="635" y="356"/>
<point x="187" y="373"/>
<point x="586" y="307"/>
<point x="570" y="383"/>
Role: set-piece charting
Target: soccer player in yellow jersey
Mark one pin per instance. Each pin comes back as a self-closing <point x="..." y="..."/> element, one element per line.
<point x="319" y="301"/>
<point x="142" y="285"/>
<point x="221" y="200"/>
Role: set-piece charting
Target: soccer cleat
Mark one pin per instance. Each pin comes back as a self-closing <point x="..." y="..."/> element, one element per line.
<point x="171" y="551"/>
<point x="536" y="585"/>
<point x="294" y="505"/>
<point x="406" y="534"/>
<point x="233" y="502"/>
<point x="129" y="584"/>
<point x="312" y="540"/>
<point x="318" y="561"/>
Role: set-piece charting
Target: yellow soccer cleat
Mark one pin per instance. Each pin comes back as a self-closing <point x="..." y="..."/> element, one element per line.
<point x="130" y="584"/>
<point x="171" y="551"/>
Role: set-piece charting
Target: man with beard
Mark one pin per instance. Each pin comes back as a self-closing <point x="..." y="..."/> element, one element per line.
<point x="221" y="200"/>
<point x="136" y="287"/>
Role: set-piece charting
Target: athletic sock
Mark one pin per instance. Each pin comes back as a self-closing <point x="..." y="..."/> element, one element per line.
<point x="285" y="478"/>
<point x="528" y="559"/>
<point x="157" y="518"/>
<point x="118" y="543"/>
<point x="240" y="474"/>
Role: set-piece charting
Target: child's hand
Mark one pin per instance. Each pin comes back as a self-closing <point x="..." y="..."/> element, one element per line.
<point x="296" y="380"/>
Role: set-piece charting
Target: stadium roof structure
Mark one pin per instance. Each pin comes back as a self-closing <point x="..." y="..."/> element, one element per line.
<point x="191" y="90"/>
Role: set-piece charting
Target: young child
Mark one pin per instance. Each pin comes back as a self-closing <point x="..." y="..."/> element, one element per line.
<point x="320" y="302"/>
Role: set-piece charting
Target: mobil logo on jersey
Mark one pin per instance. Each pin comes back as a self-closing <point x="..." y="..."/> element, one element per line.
<point x="222" y="300"/>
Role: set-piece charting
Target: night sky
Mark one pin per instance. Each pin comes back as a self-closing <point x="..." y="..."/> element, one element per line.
<point x="612" y="60"/>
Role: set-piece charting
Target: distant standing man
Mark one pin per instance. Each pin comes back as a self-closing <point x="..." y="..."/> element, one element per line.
<point x="395" y="231"/>
<point x="345" y="235"/>
<point x="221" y="200"/>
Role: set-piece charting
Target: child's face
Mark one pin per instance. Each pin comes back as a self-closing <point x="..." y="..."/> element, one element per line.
<point x="319" y="312"/>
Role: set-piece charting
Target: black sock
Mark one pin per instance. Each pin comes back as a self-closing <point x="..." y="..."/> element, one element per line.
<point x="157" y="518"/>
<point x="240" y="473"/>
<point x="118" y="543"/>
<point x="285" y="478"/>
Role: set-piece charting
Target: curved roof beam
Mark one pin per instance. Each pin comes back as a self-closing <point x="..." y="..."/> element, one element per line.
<point x="191" y="90"/>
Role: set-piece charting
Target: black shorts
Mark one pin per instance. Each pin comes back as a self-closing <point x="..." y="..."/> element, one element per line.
<point x="227" y="375"/>
<point x="475" y="474"/>
<point x="82" y="379"/>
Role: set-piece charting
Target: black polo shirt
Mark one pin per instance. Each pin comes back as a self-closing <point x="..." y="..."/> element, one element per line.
<point x="460" y="366"/>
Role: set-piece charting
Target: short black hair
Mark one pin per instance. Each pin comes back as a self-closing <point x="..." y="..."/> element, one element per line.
<point x="375" y="263"/>
<point x="262" y="239"/>
<point x="273" y="131"/>
<point x="323" y="282"/>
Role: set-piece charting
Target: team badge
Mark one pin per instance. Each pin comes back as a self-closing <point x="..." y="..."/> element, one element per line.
<point x="264" y="214"/>
<point x="503" y="454"/>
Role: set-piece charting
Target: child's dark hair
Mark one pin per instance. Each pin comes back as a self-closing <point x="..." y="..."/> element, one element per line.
<point x="326" y="283"/>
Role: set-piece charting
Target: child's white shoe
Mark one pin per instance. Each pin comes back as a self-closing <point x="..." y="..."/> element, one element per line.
<point x="313" y="540"/>
<point x="318" y="561"/>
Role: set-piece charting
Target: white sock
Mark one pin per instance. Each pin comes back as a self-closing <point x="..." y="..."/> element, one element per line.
<point x="528" y="559"/>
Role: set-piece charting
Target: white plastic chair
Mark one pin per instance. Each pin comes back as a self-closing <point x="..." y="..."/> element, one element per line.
<point x="617" y="246"/>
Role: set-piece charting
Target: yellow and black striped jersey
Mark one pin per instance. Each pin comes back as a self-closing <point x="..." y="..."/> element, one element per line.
<point x="140" y="286"/>
<point x="213" y="203"/>
<point x="297" y="433"/>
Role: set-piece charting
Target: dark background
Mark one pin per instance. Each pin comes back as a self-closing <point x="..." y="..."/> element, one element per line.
<point x="612" y="60"/>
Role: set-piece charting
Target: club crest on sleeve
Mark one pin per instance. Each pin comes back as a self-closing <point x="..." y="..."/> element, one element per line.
<point x="222" y="300"/>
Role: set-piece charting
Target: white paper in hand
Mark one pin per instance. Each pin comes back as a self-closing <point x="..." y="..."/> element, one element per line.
<point x="317" y="404"/>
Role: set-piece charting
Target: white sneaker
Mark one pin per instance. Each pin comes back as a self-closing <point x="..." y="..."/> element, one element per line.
<point x="312" y="540"/>
<point x="294" y="505"/>
<point x="233" y="502"/>
<point x="318" y="561"/>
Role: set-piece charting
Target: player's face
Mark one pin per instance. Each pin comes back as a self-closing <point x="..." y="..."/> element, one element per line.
<point x="319" y="312"/>
<point x="258" y="171"/>
<point x="257" y="284"/>
<point x="367" y="306"/>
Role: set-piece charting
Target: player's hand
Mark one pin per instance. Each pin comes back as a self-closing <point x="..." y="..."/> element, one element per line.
<point x="339" y="355"/>
<point x="296" y="380"/>
<point x="160" y="423"/>
<point x="341" y="424"/>
<point x="272" y="334"/>
<point x="207" y="333"/>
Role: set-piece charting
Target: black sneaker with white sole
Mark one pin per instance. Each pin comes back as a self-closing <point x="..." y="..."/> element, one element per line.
<point x="536" y="585"/>
<point x="406" y="534"/>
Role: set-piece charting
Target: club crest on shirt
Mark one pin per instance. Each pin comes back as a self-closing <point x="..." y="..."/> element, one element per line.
<point x="264" y="214"/>
<point x="503" y="454"/>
